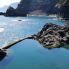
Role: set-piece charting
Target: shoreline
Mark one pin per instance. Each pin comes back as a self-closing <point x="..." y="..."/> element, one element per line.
<point x="51" y="16"/>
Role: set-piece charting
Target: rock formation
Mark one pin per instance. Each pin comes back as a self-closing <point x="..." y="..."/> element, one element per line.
<point x="10" y="11"/>
<point x="29" y="7"/>
<point x="64" y="9"/>
<point x="46" y="6"/>
<point x="53" y="36"/>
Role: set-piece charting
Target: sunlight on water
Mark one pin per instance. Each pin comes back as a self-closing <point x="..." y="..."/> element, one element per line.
<point x="2" y="29"/>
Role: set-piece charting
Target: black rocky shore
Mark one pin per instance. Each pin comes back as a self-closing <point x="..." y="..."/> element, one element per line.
<point x="53" y="36"/>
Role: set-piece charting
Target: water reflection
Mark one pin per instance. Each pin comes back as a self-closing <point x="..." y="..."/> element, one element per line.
<point x="2" y="54"/>
<point x="66" y="47"/>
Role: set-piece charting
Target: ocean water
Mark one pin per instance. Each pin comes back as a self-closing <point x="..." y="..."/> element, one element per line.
<point x="29" y="54"/>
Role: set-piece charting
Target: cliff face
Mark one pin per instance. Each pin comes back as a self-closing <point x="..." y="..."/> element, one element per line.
<point x="28" y="6"/>
<point x="64" y="9"/>
<point x="41" y="7"/>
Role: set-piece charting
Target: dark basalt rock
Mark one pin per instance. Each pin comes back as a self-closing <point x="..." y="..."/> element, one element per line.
<point x="2" y="13"/>
<point x="2" y="54"/>
<point x="53" y="36"/>
<point x="40" y="7"/>
<point x="64" y="9"/>
<point x="12" y="12"/>
<point x="61" y="33"/>
<point x="29" y="6"/>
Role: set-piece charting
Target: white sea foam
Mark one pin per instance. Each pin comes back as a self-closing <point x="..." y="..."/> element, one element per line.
<point x="2" y="29"/>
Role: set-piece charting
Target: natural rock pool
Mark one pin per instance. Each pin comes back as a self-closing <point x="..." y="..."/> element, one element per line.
<point x="29" y="54"/>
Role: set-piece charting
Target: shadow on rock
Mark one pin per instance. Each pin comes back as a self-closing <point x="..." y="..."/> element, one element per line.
<point x="2" y="54"/>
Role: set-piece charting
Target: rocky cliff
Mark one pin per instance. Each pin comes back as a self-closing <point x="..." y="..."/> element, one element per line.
<point x="64" y="9"/>
<point x="46" y="6"/>
<point x="41" y="7"/>
<point x="29" y="6"/>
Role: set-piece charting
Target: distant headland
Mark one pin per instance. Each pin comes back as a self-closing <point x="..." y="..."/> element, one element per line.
<point x="39" y="7"/>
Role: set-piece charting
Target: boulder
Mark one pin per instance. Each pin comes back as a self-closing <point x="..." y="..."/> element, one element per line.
<point x="53" y="36"/>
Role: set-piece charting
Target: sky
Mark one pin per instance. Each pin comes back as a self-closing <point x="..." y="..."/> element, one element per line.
<point x="7" y="2"/>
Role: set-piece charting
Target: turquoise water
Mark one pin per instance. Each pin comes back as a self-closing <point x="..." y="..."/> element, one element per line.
<point x="29" y="54"/>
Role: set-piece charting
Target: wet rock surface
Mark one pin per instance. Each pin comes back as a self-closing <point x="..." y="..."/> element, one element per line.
<point x="53" y="36"/>
<point x="2" y="54"/>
